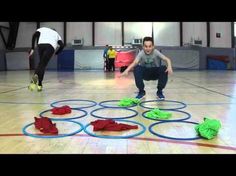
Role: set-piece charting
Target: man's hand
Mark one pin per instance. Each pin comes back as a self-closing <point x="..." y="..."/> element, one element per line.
<point x="169" y="70"/>
<point x="125" y="73"/>
<point x="31" y="53"/>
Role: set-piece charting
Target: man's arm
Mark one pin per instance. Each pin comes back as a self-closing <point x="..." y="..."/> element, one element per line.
<point x="34" y="39"/>
<point x="132" y="65"/>
<point x="61" y="44"/>
<point x="105" y="53"/>
<point x="169" y="65"/>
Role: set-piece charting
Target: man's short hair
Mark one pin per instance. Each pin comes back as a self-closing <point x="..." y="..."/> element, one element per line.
<point x="148" y="39"/>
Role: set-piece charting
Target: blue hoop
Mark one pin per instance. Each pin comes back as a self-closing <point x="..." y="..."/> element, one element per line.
<point x="89" y="106"/>
<point x="53" y="136"/>
<point x="181" y="107"/>
<point x="188" y="116"/>
<point x="117" y="137"/>
<point x="173" y="138"/>
<point x="59" y="118"/>
<point x="92" y="113"/>
<point x="105" y="106"/>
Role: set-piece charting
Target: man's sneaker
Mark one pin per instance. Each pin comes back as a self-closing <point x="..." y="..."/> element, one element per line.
<point x="32" y="86"/>
<point x="160" y="95"/>
<point x="33" y="82"/>
<point x="39" y="88"/>
<point x="141" y="95"/>
<point x="34" y="79"/>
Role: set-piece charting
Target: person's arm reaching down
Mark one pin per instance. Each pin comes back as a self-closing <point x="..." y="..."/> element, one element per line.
<point x="61" y="44"/>
<point x="34" y="38"/>
<point x="132" y="65"/>
<point x="168" y="61"/>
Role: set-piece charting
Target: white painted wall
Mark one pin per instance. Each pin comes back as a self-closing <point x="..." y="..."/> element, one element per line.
<point x="25" y="32"/>
<point x="4" y="24"/>
<point x="88" y="59"/>
<point x="224" y="28"/>
<point x="108" y="33"/>
<point x="166" y="33"/>
<point x="234" y="28"/>
<point x="134" y="30"/>
<point x="5" y="33"/>
<point x="2" y="46"/>
<point x="77" y="30"/>
<point x="17" y="61"/>
<point x="195" y="30"/>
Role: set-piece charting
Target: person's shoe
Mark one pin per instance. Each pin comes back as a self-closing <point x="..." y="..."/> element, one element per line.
<point x="39" y="88"/>
<point x="141" y="95"/>
<point x="33" y="82"/>
<point x="32" y="86"/>
<point x="34" y="79"/>
<point x="160" y="95"/>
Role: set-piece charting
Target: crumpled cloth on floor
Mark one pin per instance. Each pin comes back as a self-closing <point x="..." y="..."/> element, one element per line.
<point x="209" y="128"/>
<point x="111" y="125"/>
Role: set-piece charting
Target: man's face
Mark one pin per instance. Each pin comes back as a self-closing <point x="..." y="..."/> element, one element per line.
<point x="148" y="47"/>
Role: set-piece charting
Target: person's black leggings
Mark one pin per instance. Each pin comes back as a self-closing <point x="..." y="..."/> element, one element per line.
<point x="45" y="53"/>
<point x="111" y="64"/>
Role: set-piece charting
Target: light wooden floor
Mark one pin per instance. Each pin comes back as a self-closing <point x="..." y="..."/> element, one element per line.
<point x="206" y="93"/>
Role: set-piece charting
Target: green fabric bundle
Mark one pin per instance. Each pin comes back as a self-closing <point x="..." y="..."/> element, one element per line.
<point x="158" y="114"/>
<point x="128" y="102"/>
<point x="209" y="128"/>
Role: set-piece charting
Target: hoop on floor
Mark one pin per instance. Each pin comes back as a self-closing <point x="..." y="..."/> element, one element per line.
<point x="117" y="137"/>
<point x="100" y="117"/>
<point x="183" y="105"/>
<point x="69" y="118"/>
<point x="174" y="110"/>
<point x="89" y="106"/>
<point x="53" y="136"/>
<point x="105" y="106"/>
<point x="173" y="138"/>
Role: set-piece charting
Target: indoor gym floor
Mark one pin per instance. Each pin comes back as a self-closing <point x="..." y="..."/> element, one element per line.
<point x="205" y="93"/>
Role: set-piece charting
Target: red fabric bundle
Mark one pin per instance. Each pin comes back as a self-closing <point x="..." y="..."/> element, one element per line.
<point x="111" y="125"/>
<point x="125" y="58"/>
<point x="45" y="125"/>
<point x="61" y="110"/>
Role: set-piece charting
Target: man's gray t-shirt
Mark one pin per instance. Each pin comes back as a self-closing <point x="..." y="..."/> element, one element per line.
<point x="150" y="60"/>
